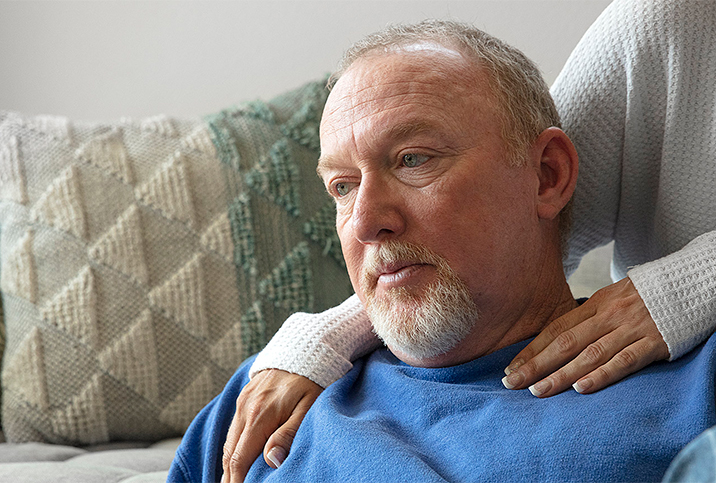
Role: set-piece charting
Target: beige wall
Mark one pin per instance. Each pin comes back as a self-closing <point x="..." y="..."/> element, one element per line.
<point x="97" y="60"/>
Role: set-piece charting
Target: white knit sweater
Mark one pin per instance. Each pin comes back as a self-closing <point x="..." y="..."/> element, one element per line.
<point x="638" y="98"/>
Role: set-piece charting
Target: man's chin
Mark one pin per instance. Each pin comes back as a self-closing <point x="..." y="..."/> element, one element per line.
<point x="419" y="334"/>
<point x="398" y="300"/>
<point x="439" y="360"/>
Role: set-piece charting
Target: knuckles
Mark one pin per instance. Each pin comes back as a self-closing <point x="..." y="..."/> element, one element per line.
<point x="557" y="327"/>
<point x="595" y="353"/>
<point x="235" y="463"/>
<point x="626" y="359"/>
<point x="560" y="380"/>
<point x="230" y="460"/>
<point x="602" y="377"/>
<point x="566" y="343"/>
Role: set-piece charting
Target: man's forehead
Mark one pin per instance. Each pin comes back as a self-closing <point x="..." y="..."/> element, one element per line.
<point x="431" y="76"/>
<point x="426" y="59"/>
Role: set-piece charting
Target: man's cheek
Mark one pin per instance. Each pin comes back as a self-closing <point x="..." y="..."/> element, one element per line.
<point x="343" y="228"/>
<point x="354" y="262"/>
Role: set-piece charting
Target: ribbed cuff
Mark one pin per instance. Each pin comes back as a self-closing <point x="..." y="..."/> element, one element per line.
<point x="320" y="346"/>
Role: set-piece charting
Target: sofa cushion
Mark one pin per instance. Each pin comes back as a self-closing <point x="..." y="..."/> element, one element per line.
<point x="62" y="473"/>
<point x="111" y="462"/>
<point x="143" y="260"/>
<point x="29" y="452"/>
<point x="139" y="460"/>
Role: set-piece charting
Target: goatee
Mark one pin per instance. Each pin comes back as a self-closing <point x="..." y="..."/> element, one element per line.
<point x="420" y="325"/>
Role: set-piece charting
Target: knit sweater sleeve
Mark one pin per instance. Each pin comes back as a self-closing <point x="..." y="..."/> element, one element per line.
<point x="320" y="346"/>
<point x="679" y="291"/>
<point x="637" y="99"/>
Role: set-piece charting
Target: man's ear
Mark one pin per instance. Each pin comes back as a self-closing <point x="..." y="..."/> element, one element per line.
<point x="557" y="165"/>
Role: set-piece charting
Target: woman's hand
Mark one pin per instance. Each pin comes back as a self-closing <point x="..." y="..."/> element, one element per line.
<point x="269" y="411"/>
<point x="597" y="344"/>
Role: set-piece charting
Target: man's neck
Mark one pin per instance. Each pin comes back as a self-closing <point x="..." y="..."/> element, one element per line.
<point x="549" y="299"/>
<point x="539" y="315"/>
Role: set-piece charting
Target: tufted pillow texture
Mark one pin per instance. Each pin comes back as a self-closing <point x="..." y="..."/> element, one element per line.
<point x="142" y="260"/>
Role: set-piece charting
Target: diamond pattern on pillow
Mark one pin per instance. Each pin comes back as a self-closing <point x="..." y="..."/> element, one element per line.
<point x="142" y="261"/>
<point x="108" y="152"/>
<point x="74" y="310"/>
<point x="121" y="247"/>
<point x="18" y="273"/>
<point x="27" y="364"/>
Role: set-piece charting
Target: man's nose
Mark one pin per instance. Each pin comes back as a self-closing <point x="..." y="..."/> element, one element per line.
<point x="378" y="212"/>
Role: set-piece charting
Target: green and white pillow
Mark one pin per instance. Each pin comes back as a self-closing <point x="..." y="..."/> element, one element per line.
<point x="143" y="260"/>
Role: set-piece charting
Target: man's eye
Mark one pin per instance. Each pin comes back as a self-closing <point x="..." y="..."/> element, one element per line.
<point x="412" y="160"/>
<point x="342" y="189"/>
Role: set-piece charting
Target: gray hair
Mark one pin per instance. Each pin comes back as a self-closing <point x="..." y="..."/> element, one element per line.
<point x="526" y="106"/>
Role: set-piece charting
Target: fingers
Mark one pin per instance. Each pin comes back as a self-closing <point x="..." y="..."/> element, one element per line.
<point x="244" y="445"/>
<point x="232" y="439"/>
<point x="270" y="408"/>
<point x="544" y="339"/>
<point x="601" y="353"/>
<point x="568" y="337"/>
<point x="626" y="362"/>
<point x="609" y="337"/>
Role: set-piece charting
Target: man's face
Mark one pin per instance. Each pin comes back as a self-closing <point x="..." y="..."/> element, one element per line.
<point x="411" y="150"/>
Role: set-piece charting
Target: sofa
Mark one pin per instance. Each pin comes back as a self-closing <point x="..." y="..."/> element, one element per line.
<point x="141" y="261"/>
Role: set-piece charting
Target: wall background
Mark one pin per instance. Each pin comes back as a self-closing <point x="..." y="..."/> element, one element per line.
<point x="101" y="60"/>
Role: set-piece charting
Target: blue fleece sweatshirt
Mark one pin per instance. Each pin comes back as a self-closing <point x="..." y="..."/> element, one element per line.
<point x="386" y="421"/>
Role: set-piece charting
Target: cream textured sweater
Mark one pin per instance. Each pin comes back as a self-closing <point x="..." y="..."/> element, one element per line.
<point x="638" y="98"/>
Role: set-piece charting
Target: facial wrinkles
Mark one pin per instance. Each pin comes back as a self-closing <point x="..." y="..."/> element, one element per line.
<point x="370" y="87"/>
<point x="367" y="104"/>
<point x="378" y="257"/>
<point x="356" y="112"/>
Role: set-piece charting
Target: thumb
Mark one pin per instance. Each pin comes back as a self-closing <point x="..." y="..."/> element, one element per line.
<point x="279" y="444"/>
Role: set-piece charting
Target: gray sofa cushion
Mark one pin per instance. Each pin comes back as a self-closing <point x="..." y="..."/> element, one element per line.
<point x="61" y="473"/>
<point x="115" y="462"/>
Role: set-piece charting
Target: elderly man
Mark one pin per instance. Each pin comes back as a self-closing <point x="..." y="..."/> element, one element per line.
<point x="439" y="144"/>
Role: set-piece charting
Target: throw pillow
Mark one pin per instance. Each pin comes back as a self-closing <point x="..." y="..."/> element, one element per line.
<point x="143" y="260"/>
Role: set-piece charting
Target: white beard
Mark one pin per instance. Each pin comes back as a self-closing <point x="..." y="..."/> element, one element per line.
<point x="425" y="325"/>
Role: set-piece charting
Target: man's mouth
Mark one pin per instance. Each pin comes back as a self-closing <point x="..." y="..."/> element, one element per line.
<point x="398" y="265"/>
<point x="397" y="273"/>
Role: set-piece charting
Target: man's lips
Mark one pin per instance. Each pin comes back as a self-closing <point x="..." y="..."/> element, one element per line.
<point x="389" y="268"/>
<point x="398" y="273"/>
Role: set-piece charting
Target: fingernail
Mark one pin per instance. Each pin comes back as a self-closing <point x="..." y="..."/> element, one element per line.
<point x="583" y="385"/>
<point x="276" y="456"/>
<point x="541" y="387"/>
<point x="513" y="380"/>
<point x="223" y="477"/>
<point x="513" y="367"/>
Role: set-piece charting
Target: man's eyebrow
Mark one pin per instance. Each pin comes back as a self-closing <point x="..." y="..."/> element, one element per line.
<point x="407" y="129"/>
<point x="395" y="132"/>
<point x="325" y="163"/>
